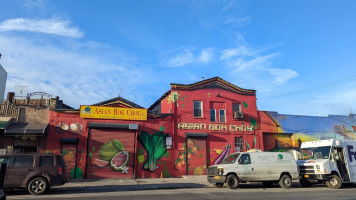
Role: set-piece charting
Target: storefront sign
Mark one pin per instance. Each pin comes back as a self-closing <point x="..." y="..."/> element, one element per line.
<point x="215" y="127"/>
<point x="101" y="112"/>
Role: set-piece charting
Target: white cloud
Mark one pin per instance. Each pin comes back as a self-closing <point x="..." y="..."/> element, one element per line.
<point x="282" y="75"/>
<point x="237" y="22"/>
<point x="181" y="59"/>
<point x="48" y="26"/>
<point x="248" y="65"/>
<point x="75" y="75"/>
<point x="206" y="55"/>
<point x="186" y="56"/>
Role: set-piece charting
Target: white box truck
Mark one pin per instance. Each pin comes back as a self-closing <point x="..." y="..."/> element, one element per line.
<point x="265" y="167"/>
<point x="332" y="162"/>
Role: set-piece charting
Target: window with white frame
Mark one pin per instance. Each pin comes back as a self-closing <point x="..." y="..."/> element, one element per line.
<point x="198" y="108"/>
<point x="222" y="117"/>
<point x="239" y="144"/>
<point x="212" y="115"/>
<point x="236" y="107"/>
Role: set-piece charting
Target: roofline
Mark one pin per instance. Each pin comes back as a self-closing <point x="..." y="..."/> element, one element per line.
<point x="203" y="82"/>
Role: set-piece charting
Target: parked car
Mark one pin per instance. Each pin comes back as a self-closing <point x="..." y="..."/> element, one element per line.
<point x="265" y="167"/>
<point x="35" y="172"/>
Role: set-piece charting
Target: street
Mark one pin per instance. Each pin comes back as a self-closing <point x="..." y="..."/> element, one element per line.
<point x="247" y="191"/>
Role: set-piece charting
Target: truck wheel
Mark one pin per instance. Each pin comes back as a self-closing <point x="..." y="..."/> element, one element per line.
<point x="334" y="182"/>
<point x="305" y="183"/>
<point x="219" y="185"/>
<point x="37" y="186"/>
<point x="267" y="184"/>
<point x="232" y="181"/>
<point x="285" y="181"/>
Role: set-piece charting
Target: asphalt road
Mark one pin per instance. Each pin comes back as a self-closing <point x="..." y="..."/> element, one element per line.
<point x="247" y="191"/>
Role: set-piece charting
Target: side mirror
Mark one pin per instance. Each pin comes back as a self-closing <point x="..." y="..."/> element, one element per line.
<point x="337" y="158"/>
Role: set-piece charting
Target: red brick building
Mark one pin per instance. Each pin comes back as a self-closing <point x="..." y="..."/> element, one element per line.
<point x="188" y="129"/>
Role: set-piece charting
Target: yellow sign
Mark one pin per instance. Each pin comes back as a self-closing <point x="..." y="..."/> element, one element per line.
<point x="102" y="112"/>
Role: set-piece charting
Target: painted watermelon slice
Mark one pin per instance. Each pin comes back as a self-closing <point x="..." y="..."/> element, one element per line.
<point x="119" y="161"/>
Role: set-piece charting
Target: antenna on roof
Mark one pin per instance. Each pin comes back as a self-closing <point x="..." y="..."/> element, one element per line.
<point x="120" y="92"/>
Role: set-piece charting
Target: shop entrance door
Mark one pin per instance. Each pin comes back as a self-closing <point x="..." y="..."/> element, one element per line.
<point x="110" y="153"/>
<point x="196" y="156"/>
<point x="69" y="154"/>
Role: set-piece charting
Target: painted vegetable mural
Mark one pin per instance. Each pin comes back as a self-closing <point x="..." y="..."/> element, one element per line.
<point x="223" y="155"/>
<point x="113" y="153"/>
<point x="155" y="146"/>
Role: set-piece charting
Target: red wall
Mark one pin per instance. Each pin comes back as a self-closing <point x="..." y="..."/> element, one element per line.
<point x="182" y="112"/>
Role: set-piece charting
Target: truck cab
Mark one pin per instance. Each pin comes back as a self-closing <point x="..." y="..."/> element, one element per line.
<point x="327" y="161"/>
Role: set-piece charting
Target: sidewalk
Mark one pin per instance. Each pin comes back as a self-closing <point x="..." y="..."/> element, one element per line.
<point x="107" y="185"/>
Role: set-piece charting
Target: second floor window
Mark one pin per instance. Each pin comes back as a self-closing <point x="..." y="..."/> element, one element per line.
<point x="236" y="107"/>
<point x="198" y="108"/>
<point x="222" y="117"/>
<point x="212" y="115"/>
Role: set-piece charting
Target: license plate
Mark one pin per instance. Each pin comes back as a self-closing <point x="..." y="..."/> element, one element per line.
<point x="217" y="177"/>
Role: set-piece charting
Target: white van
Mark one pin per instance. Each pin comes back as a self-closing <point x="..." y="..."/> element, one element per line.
<point x="332" y="162"/>
<point x="265" y="167"/>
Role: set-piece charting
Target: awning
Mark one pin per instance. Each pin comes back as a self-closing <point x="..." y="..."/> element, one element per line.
<point x="5" y="122"/>
<point x="113" y="126"/>
<point x="203" y="135"/>
<point x="26" y="128"/>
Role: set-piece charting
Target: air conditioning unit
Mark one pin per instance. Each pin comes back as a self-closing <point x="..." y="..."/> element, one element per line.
<point x="238" y="115"/>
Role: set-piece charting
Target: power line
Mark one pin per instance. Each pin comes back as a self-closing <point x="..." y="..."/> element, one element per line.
<point x="315" y="88"/>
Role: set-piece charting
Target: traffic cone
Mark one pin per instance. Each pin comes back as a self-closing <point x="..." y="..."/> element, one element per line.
<point x="161" y="175"/>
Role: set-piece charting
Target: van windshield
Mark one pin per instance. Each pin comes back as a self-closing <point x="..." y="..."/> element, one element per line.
<point x="230" y="158"/>
<point x="316" y="153"/>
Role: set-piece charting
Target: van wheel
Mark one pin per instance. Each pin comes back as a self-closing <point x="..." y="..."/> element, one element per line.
<point x="232" y="181"/>
<point x="267" y="184"/>
<point x="37" y="186"/>
<point x="285" y="181"/>
<point x="219" y="185"/>
<point x="334" y="182"/>
<point x="305" y="183"/>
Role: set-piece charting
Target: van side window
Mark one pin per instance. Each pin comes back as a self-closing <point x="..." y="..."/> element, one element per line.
<point x="46" y="161"/>
<point x="23" y="161"/>
<point x="245" y="159"/>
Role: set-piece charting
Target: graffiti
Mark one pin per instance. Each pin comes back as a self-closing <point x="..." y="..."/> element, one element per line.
<point x="155" y="147"/>
<point x="300" y="129"/>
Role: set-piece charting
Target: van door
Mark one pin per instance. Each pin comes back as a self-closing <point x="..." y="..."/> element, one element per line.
<point x="245" y="168"/>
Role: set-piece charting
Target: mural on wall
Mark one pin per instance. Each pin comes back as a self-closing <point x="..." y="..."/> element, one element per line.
<point x="222" y="154"/>
<point x="76" y="128"/>
<point x="174" y="97"/>
<point x="155" y="146"/>
<point x="112" y="154"/>
<point x="293" y="130"/>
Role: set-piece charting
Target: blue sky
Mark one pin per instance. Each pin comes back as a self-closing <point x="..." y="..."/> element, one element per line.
<point x="299" y="55"/>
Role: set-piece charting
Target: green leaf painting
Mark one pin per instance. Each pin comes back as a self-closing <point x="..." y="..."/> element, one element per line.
<point x="155" y="145"/>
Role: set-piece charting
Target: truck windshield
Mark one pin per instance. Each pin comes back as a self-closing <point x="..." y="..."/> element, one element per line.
<point x="316" y="153"/>
<point x="230" y="158"/>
